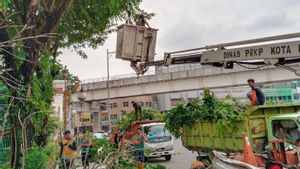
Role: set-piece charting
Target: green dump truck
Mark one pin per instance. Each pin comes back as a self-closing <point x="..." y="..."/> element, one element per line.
<point x="260" y="124"/>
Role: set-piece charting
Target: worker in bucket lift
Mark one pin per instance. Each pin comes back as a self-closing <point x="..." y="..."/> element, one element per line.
<point x="142" y="21"/>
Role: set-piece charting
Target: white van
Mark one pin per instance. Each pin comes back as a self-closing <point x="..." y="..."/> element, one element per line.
<point x="160" y="141"/>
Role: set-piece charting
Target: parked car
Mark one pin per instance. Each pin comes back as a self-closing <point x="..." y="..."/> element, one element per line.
<point x="99" y="135"/>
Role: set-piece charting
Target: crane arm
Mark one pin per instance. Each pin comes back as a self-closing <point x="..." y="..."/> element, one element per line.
<point x="280" y="50"/>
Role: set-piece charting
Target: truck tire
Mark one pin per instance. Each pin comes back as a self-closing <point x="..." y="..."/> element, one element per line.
<point x="168" y="157"/>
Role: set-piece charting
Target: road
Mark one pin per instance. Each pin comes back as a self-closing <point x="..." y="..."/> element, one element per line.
<point x="181" y="160"/>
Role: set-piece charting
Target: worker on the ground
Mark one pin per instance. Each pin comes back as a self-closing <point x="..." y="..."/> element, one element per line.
<point x="118" y="137"/>
<point x="142" y="21"/>
<point x="138" y="142"/>
<point x="256" y="96"/>
<point x="85" y="144"/>
<point x="68" y="145"/>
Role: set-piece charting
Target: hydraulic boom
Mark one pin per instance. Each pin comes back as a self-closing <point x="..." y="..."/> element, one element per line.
<point x="280" y="50"/>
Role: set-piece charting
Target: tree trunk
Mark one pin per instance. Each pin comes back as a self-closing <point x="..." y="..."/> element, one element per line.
<point x="16" y="143"/>
<point x="23" y="147"/>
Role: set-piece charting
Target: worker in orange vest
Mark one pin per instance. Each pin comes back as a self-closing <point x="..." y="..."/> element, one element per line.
<point x="256" y="96"/>
<point x="68" y="145"/>
<point x="252" y="97"/>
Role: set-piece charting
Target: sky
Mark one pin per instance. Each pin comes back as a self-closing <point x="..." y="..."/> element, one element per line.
<point x="186" y="24"/>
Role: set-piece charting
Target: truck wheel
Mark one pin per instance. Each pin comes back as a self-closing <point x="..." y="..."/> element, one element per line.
<point x="168" y="157"/>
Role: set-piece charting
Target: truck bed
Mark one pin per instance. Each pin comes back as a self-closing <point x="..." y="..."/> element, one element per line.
<point x="204" y="136"/>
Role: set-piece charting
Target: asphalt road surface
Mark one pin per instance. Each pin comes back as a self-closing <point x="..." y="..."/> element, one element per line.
<point x="182" y="159"/>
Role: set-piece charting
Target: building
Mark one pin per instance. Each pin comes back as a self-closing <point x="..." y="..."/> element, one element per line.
<point x="281" y="94"/>
<point x="58" y="101"/>
<point x="169" y="100"/>
<point x="93" y="116"/>
<point x="285" y="91"/>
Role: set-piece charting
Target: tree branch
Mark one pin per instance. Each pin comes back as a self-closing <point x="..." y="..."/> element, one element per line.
<point x="5" y="117"/>
<point x="53" y="18"/>
<point x="49" y="5"/>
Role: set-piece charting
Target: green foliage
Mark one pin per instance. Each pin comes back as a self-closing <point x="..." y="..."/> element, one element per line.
<point x="98" y="144"/>
<point x="51" y="152"/>
<point x="4" y="92"/>
<point x="42" y="97"/>
<point x="129" y="117"/>
<point x="102" y="152"/>
<point x="4" y="4"/>
<point x="33" y="59"/>
<point x="52" y="125"/>
<point x="155" y="166"/>
<point x="39" y="157"/>
<point x="4" y="166"/>
<point x="148" y="151"/>
<point x="208" y="108"/>
<point x="271" y="102"/>
<point x="36" y="159"/>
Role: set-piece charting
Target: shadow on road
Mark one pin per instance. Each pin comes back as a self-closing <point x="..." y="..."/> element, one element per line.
<point x="157" y="160"/>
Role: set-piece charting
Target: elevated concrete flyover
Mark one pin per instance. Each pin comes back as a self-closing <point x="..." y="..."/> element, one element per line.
<point x="184" y="81"/>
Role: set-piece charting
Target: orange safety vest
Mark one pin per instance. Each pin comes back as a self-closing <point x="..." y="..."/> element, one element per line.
<point x="253" y="98"/>
<point x="68" y="153"/>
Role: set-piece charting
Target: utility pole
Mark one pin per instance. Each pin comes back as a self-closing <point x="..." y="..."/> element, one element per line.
<point x="65" y="99"/>
<point x="108" y="90"/>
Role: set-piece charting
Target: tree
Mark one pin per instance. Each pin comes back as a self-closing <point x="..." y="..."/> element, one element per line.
<point x="31" y="33"/>
<point x="128" y="117"/>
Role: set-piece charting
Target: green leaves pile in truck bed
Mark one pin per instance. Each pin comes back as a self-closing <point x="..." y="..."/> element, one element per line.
<point x="209" y="108"/>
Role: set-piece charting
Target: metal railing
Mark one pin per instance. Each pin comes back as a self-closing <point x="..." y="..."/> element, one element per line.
<point x="160" y="70"/>
<point x="116" y="77"/>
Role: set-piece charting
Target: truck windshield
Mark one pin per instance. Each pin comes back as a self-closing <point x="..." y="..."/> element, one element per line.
<point x="286" y="129"/>
<point x="157" y="133"/>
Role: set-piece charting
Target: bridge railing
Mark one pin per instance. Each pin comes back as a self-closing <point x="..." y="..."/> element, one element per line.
<point x="115" y="77"/>
<point x="130" y="79"/>
<point x="171" y="69"/>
